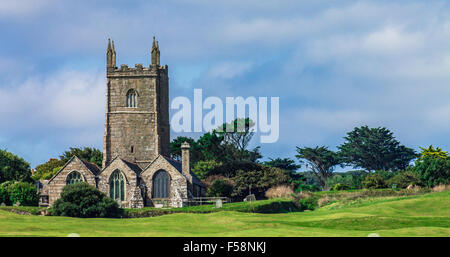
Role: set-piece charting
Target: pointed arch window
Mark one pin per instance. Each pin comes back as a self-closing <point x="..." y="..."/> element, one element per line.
<point x="161" y="184"/>
<point x="117" y="186"/>
<point x="73" y="178"/>
<point x="131" y="98"/>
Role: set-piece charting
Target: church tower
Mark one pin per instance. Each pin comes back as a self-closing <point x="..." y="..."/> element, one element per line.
<point x="137" y="110"/>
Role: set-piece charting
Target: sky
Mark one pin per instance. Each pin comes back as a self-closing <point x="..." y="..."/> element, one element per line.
<point x="334" y="65"/>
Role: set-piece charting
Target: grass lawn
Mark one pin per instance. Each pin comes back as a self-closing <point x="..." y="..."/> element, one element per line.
<point x="421" y="215"/>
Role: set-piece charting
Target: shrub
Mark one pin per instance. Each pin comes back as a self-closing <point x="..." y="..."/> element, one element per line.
<point x="405" y="178"/>
<point x="281" y="191"/>
<point x="85" y="201"/>
<point x="23" y="192"/>
<point x="433" y="171"/>
<point x="4" y="196"/>
<point x="339" y="186"/>
<point x="374" y="181"/>
<point x="441" y="188"/>
<point x="307" y="187"/>
<point x="305" y="201"/>
<point x="220" y="188"/>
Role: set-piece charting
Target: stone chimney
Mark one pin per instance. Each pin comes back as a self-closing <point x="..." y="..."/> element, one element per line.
<point x="185" y="167"/>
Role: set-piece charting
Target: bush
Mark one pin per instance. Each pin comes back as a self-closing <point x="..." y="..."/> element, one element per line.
<point x="433" y="171"/>
<point x="220" y="188"/>
<point x="281" y="191"/>
<point x="305" y="201"/>
<point x="23" y="192"/>
<point x="4" y="196"/>
<point x="405" y="178"/>
<point x="307" y="187"/>
<point x="85" y="201"/>
<point x="374" y="181"/>
<point x="339" y="186"/>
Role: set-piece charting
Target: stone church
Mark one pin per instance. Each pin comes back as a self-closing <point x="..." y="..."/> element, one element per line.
<point x="137" y="170"/>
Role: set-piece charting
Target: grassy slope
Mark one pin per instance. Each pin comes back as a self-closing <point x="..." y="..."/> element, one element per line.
<point x="424" y="215"/>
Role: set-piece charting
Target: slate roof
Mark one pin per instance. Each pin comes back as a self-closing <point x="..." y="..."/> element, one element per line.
<point x="133" y="166"/>
<point x="177" y="165"/>
<point x="91" y="166"/>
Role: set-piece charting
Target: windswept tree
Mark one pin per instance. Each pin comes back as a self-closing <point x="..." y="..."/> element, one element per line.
<point x="375" y="149"/>
<point x="320" y="160"/>
<point x="236" y="139"/>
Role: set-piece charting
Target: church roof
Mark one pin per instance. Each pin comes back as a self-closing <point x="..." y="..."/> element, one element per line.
<point x="177" y="165"/>
<point x="91" y="166"/>
<point x="133" y="166"/>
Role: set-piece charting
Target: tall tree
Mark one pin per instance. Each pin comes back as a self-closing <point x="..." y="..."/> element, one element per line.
<point x="175" y="146"/>
<point x="89" y="154"/>
<point x="290" y="168"/>
<point x="13" y="167"/>
<point x="375" y="149"/>
<point x="320" y="160"/>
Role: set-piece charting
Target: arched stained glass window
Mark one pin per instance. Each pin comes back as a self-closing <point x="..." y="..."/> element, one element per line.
<point x="117" y="186"/>
<point x="161" y="184"/>
<point x="131" y="98"/>
<point x="73" y="178"/>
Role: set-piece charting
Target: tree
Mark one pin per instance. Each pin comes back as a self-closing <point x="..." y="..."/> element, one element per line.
<point x="87" y="153"/>
<point x="375" y="149"/>
<point x="433" y="153"/>
<point x="320" y="160"/>
<point x="202" y="169"/>
<point x="13" y="167"/>
<point x="284" y="164"/>
<point x="220" y="188"/>
<point x="48" y="169"/>
<point x="236" y="139"/>
<point x="175" y="147"/>
<point x="259" y="180"/>
<point x="290" y="168"/>
<point x="433" y="171"/>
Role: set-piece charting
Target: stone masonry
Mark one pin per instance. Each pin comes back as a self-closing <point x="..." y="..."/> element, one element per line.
<point x="136" y="142"/>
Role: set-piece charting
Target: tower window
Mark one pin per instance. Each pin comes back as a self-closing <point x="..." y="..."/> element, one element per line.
<point x="132" y="149"/>
<point x="131" y="98"/>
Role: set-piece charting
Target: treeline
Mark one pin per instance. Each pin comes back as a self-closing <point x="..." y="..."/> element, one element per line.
<point x="224" y="161"/>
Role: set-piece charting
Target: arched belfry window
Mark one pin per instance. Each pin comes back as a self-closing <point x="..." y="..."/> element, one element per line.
<point x="161" y="184"/>
<point x="73" y="178"/>
<point x="117" y="186"/>
<point x="131" y="98"/>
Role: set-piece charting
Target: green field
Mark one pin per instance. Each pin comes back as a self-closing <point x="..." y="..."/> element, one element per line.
<point x="421" y="215"/>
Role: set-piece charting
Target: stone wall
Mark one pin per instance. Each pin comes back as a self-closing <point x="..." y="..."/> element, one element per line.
<point x="131" y="180"/>
<point x="56" y="184"/>
<point x="178" y="183"/>
<point x="137" y="134"/>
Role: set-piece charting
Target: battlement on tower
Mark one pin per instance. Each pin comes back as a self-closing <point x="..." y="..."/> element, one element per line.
<point x="137" y="70"/>
<point x="154" y="69"/>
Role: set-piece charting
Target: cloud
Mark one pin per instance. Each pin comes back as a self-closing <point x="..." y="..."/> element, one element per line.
<point x="43" y="116"/>
<point x="22" y="7"/>
<point x="229" y="70"/>
<point x="335" y="65"/>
